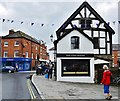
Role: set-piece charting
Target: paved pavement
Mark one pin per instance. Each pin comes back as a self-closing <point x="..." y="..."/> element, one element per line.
<point x="51" y="89"/>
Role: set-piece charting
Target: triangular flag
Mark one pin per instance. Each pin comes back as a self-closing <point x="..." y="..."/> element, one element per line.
<point x="108" y="23"/>
<point x="113" y="22"/>
<point x="3" y="20"/>
<point x="12" y="21"/>
<point x="22" y="22"/>
<point x="119" y="22"/>
<point x="97" y="24"/>
<point x="32" y="24"/>
<point x="42" y="24"/>
<point x="74" y="26"/>
<point x="52" y="24"/>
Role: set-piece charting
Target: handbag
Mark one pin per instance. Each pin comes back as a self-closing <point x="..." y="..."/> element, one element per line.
<point x="46" y="75"/>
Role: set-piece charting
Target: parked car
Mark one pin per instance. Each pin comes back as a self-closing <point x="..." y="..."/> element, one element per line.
<point x="9" y="69"/>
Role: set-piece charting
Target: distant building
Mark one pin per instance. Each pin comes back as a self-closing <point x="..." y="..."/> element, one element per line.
<point x="115" y="54"/>
<point x="20" y="47"/>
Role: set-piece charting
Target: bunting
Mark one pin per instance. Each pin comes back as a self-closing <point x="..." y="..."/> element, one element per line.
<point x="42" y="24"/>
<point x="24" y="22"/>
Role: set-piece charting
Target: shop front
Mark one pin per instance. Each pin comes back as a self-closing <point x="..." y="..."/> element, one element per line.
<point x="75" y="68"/>
<point x="23" y="64"/>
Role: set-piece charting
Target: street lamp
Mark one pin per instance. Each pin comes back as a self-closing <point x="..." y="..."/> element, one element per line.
<point x="52" y="40"/>
<point x="51" y="37"/>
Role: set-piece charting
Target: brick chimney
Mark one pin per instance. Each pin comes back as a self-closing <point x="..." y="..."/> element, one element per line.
<point x="11" y="31"/>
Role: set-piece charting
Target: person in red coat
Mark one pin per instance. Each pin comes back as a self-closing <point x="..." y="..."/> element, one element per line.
<point x="106" y="81"/>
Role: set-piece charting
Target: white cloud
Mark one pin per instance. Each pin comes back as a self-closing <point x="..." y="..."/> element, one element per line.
<point x="48" y="12"/>
<point x="3" y="10"/>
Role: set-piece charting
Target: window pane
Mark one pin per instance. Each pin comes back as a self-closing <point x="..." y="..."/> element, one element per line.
<point x="16" y="53"/>
<point x="74" y="42"/>
<point x="26" y="54"/>
<point x="76" y="67"/>
<point x="16" y="43"/>
<point x="6" y="43"/>
<point x="5" y="54"/>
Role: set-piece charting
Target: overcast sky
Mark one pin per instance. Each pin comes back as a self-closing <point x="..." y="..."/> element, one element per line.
<point x="49" y="16"/>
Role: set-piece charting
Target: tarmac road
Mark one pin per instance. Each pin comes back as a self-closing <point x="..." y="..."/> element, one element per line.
<point x="14" y="86"/>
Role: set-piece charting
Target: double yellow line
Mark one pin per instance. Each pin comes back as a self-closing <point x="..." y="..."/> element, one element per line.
<point x="30" y="90"/>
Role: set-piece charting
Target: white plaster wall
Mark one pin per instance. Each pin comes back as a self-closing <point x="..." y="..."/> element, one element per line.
<point x="82" y="79"/>
<point x="64" y="45"/>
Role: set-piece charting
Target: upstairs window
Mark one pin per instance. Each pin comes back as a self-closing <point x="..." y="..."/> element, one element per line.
<point x="75" y="42"/>
<point x="5" y="44"/>
<point x="5" y="54"/>
<point x="16" y="43"/>
<point x="26" y="54"/>
<point x="16" y="53"/>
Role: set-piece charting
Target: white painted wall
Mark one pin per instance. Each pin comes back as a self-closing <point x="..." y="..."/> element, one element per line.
<point x="64" y="45"/>
<point x="86" y="47"/>
<point x="82" y="79"/>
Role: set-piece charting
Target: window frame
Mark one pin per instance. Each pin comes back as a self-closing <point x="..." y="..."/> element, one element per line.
<point x="75" y="42"/>
<point x="5" y="52"/>
<point x="16" y="44"/>
<point x="26" y="54"/>
<point x="5" y="44"/>
<point x="16" y="52"/>
<point x="75" y="73"/>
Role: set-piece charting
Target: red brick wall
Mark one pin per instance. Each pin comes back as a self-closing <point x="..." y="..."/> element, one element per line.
<point x="25" y="45"/>
<point x="115" y="57"/>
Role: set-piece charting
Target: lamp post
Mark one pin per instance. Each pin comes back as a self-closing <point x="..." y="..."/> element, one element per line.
<point x="52" y="40"/>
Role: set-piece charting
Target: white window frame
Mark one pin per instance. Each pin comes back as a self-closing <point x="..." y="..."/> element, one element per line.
<point x="26" y="54"/>
<point x="16" y="43"/>
<point x="36" y="56"/>
<point x="32" y="56"/>
<point x="6" y="44"/>
<point x="15" y="53"/>
<point x="36" y="47"/>
<point x="5" y="54"/>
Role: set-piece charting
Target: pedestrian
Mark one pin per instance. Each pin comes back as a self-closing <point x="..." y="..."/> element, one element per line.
<point x="106" y="81"/>
<point x="16" y="67"/>
<point x="50" y="73"/>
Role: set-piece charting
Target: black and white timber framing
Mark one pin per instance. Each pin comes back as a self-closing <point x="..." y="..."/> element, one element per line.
<point x="86" y="20"/>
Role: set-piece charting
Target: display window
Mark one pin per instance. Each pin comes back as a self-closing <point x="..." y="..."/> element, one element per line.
<point x="75" y="67"/>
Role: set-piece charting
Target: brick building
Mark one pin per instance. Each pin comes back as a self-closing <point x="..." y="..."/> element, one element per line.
<point x="115" y="54"/>
<point x="20" y="45"/>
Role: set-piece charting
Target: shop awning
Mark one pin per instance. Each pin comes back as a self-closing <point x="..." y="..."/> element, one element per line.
<point x="99" y="61"/>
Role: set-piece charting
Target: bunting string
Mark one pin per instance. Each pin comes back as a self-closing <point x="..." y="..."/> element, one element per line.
<point x="24" y="22"/>
<point x="42" y="24"/>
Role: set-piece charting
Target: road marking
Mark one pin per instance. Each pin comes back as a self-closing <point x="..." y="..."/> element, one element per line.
<point x="30" y="90"/>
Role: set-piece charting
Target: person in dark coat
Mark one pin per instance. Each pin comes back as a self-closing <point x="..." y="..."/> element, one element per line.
<point x="50" y="72"/>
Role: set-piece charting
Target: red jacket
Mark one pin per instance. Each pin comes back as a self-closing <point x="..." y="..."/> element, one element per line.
<point x="106" y="77"/>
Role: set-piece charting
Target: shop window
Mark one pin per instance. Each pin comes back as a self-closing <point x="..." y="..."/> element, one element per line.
<point x="5" y="54"/>
<point x="74" y="42"/>
<point x="16" y="43"/>
<point x="5" y="44"/>
<point x="78" y="67"/>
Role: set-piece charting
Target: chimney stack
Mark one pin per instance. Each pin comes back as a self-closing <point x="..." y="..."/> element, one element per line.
<point x="11" y="31"/>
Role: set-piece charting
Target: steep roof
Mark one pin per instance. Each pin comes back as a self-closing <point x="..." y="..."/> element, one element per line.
<point x="72" y="17"/>
<point x="77" y="29"/>
<point x="20" y="34"/>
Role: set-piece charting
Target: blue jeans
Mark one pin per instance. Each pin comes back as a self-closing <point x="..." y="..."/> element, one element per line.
<point x="106" y="89"/>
